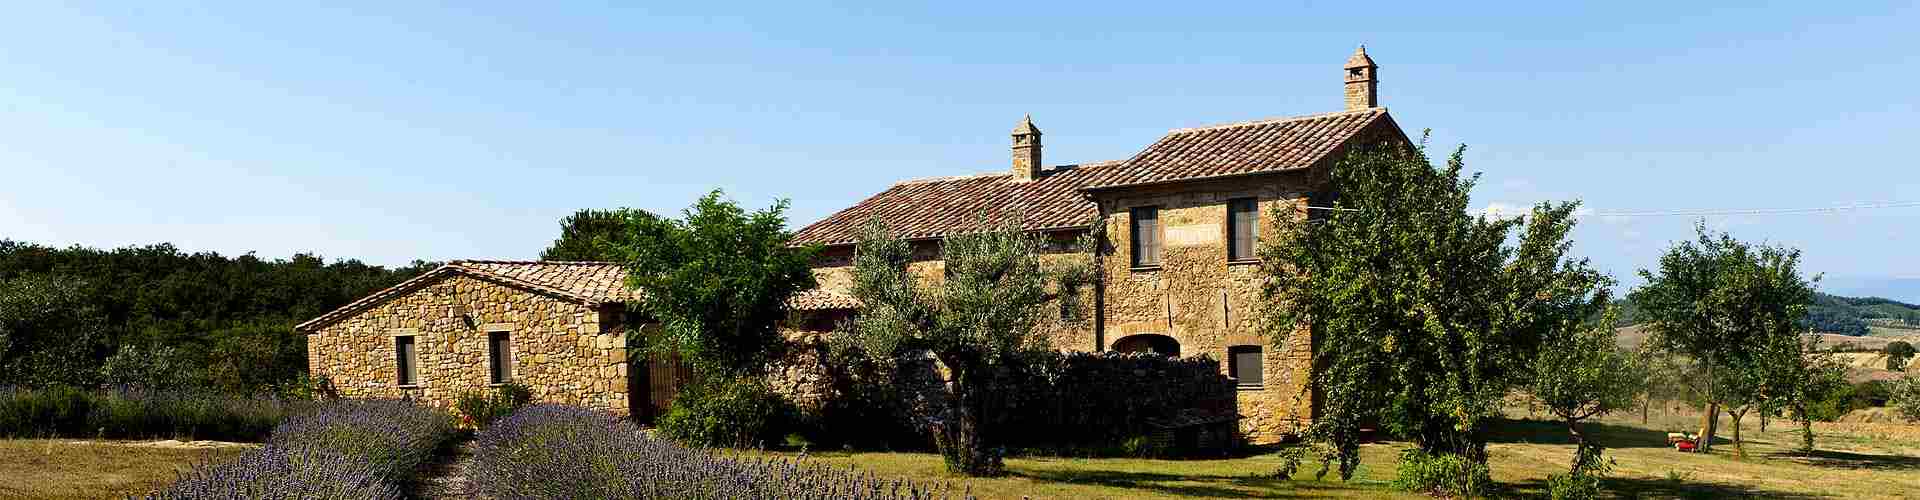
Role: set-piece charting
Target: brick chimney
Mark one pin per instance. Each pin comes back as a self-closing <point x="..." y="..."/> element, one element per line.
<point x="1026" y="150"/>
<point x="1363" y="81"/>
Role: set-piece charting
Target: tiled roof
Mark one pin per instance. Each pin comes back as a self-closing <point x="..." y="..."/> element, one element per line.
<point x="937" y="207"/>
<point x="931" y="208"/>
<point x="821" y="300"/>
<point x="1240" y="148"/>
<point x="589" y="283"/>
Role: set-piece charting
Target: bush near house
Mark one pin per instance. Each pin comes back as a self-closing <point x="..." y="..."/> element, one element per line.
<point x="479" y="409"/>
<point x="559" y="451"/>
<point x="342" y="449"/>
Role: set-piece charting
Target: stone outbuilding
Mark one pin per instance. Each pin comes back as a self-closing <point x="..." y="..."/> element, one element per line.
<point x="1181" y="220"/>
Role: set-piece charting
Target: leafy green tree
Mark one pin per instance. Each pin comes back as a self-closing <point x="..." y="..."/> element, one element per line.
<point x="1905" y="397"/>
<point x="1898" y="352"/>
<point x="1580" y="374"/>
<point x="49" y="333"/>
<point x="718" y="280"/>
<point x="1731" y="308"/>
<point x="601" y="235"/>
<point x="991" y="310"/>
<point x="1423" y="316"/>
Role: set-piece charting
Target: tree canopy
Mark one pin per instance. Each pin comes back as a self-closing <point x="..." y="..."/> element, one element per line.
<point x="718" y="280"/>
<point x="229" y="320"/>
<point x="1423" y="315"/>
<point x="601" y="235"/>
<point x="1733" y="309"/>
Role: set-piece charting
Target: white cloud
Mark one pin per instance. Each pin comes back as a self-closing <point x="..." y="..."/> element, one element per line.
<point x="1502" y="210"/>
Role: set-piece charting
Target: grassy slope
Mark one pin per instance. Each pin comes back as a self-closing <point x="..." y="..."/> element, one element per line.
<point x="1856" y="461"/>
<point x="64" y="468"/>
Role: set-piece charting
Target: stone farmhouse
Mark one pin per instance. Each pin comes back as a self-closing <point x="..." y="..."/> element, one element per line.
<point x="1181" y="220"/>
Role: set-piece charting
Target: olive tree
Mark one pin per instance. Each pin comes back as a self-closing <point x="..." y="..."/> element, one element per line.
<point x="990" y="309"/>
<point x="1580" y="374"/>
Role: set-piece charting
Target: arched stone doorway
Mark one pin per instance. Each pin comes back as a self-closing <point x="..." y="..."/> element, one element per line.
<point x="1148" y="342"/>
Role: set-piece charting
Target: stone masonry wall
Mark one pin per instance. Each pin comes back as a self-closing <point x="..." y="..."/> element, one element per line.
<point x="563" y="351"/>
<point x="1200" y="299"/>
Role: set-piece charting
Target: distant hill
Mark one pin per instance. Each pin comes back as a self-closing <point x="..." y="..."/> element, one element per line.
<point x="1900" y="289"/>
<point x="1833" y="314"/>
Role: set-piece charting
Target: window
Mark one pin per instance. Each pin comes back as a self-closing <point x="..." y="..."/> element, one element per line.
<point x="499" y="357"/>
<point x="406" y="360"/>
<point x="1146" y="236"/>
<point x="1245" y="364"/>
<point x="1243" y="228"/>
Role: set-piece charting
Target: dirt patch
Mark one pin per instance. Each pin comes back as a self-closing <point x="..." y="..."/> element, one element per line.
<point x="172" y="444"/>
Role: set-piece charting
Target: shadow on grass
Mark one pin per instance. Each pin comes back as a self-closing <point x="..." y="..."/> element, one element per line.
<point x="1850" y="460"/>
<point x="1624" y="487"/>
<point x="1214" y="486"/>
<point x="1549" y="432"/>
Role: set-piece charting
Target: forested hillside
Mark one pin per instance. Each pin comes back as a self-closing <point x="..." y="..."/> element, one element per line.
<point x="1833" y="314"/>
<point x="85" y="316"/>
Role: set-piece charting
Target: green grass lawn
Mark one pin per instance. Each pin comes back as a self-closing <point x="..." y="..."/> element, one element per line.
<point x="1856" y="461"/>
<point x="67" y="468"/>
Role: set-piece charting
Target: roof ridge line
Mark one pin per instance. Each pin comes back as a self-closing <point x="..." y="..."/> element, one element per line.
<point x="538" y="262"/>
<point x="1283" y="119"/>
<point x="981" y="175"/>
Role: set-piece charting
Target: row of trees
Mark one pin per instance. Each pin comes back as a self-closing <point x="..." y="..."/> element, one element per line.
<point x="1425" y="316"/>
<point x="155" y="315"/>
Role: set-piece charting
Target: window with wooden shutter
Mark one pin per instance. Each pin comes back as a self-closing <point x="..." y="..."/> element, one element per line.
<point x="500" y="357"/>
<point x="1246" y="365"/>
<point x="406" y="360"/>
<point x="1243" y="228"/>
<point x="1145" y="229"/>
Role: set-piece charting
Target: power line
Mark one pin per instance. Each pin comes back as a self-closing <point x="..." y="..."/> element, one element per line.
<point x="1722" y="211"/>
<point x="1760" y="211"/>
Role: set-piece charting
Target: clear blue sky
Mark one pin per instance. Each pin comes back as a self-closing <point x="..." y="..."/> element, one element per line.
<point x="466" y="131"/>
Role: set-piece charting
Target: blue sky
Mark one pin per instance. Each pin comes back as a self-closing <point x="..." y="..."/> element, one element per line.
<point x="390" y="133"/>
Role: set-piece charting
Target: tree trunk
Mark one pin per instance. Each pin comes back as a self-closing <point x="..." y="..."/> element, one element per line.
<point x="1709" y="424"/>
<point x="1579" y="445"/>
<point x="1645" y="406"/>
<point x="1763" y="420"/>
<point x="962" y="434"/>
<point x="1806" y="427"/>
<point x="1738" y="449"/>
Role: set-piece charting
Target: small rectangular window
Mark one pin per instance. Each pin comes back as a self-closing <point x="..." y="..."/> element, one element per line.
<point x="1245" y="363"/>
<point x="1145" y="229"/>
<point x="500" y="357"/>
<point x="406" y="360"/>
<point x="1243" y="228"/>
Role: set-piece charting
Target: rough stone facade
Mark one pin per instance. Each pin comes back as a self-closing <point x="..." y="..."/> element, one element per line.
<point x="1198" y="297"/>
<point x="562" y="350"/>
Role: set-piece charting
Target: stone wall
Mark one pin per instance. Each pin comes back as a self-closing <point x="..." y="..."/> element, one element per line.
<point x="563" y="351"/>
<point x="1197" y="297"/>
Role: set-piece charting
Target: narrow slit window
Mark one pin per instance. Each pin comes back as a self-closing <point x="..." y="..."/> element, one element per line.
<point x="500" y="357"/>
<point x="1243" y="228"/>
<point x="1145" y="231"/>
<point x="1246" y="364"/>
<point x="406" y="360"/>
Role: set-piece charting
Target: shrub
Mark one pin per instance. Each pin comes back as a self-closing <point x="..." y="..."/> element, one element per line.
<point x="130" y="413"/>
<point x="1584" y="481"/>
<point x="339" y="449"/>
<point x="1445" y="475"/>
<point x="1906" y="397"/>
<point x="482" y="409"/>
<point x="557" y="451"/>
<point x="740" y="413"/>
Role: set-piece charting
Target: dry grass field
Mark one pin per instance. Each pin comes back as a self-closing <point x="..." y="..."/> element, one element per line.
<point x="1855" y="461"/>
<point x="66" y="468"/>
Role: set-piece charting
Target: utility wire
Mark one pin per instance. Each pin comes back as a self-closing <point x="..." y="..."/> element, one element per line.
<point x="1718" y="211"/>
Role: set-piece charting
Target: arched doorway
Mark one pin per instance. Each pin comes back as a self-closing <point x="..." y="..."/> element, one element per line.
<point x="1148" y="342"/>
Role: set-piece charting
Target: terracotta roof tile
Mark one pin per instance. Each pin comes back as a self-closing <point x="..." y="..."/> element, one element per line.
<point x="1240" y="148"/>
<point x="931" y="208"/>
<point x="821" y="300"/>
<point x="937" y="207"/>
<point x="589" y="283"/>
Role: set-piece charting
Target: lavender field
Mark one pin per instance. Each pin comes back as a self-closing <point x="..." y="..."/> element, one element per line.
<point x="344" y="449"/>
